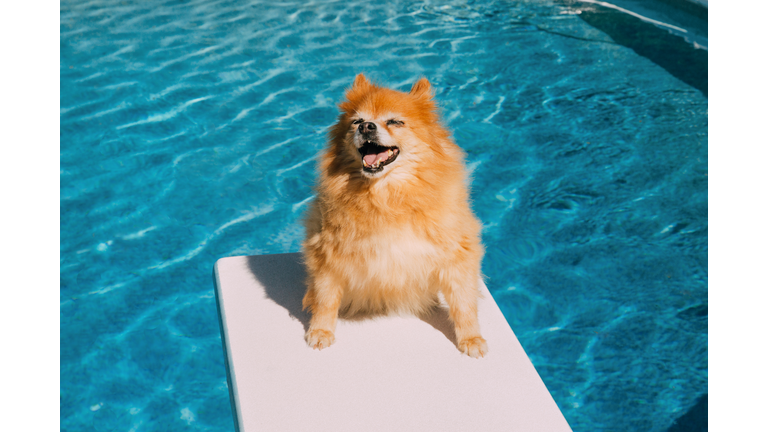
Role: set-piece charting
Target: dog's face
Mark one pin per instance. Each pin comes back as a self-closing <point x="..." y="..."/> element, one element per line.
<point x="382" y="131"/>
<point x="375" y="137"/>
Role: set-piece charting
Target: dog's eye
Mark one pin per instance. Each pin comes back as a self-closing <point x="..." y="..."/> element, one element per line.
<point x="357" y="122"/>
<point x="393" y="122"/>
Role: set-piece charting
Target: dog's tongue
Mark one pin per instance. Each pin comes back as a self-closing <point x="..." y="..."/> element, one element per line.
<point x="372" y="158"/>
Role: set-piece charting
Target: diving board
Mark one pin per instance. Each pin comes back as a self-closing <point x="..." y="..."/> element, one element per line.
<point x="393" y="373"/>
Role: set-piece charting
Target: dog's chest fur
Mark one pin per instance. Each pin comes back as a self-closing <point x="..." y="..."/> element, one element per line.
<point x="396" y="251"/>
<point x="391" y="271"/>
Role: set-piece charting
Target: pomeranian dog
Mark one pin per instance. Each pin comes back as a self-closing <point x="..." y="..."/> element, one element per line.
<point x="391" y="226"/>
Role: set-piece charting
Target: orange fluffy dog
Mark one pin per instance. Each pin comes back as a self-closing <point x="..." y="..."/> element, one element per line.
<point x="391" y="226"/>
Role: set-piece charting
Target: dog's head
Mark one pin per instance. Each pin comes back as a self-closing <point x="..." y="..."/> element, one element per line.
<point x="383" y="131"/>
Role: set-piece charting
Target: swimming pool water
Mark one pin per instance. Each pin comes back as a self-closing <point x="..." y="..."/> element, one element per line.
<point x="189" y="131"/>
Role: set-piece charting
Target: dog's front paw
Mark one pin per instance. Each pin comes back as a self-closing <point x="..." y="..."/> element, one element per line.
<point x="319" y="339"/>
<point x="474" y="347"/>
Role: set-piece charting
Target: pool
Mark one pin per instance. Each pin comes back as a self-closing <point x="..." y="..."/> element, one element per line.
<point x="189" y="131"/>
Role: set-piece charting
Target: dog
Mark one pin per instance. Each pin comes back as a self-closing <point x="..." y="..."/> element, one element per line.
<point x="391" y="227"/>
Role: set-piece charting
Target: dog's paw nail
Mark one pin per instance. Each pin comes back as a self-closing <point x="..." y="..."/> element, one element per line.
<point x="475" y="347"/>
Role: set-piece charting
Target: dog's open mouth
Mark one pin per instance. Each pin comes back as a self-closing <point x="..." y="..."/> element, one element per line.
<point x="376" y="156"/>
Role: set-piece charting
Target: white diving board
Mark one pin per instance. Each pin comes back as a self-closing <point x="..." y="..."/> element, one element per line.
<point x="393" y="373"/>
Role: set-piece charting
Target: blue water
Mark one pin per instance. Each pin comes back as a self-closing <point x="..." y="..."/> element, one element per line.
<point x="188" y="132"/>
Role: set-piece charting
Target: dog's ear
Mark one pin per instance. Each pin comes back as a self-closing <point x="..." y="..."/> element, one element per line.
<point x="361" y="82"/>
<point x="360" y="87"/>
<point x="421" y="88"/>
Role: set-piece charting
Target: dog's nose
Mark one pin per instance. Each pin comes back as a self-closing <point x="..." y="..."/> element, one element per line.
<point x="366" y="127"/>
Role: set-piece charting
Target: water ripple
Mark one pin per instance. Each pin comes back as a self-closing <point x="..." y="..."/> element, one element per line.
<point x="166" y="115"/>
